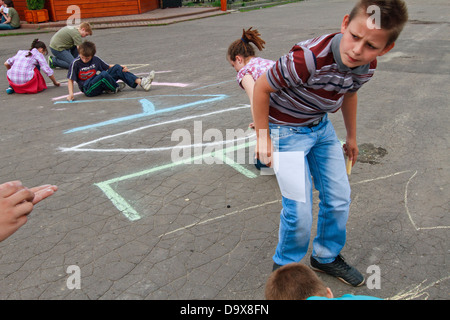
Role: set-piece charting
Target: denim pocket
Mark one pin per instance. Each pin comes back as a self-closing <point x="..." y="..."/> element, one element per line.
<point x="279" y="132"/>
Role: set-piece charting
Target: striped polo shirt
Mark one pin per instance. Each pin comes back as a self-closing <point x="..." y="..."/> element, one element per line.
<point x="311" y="80"/>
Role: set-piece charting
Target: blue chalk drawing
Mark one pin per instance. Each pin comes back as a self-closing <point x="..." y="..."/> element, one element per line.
<point x="148" y="109"/>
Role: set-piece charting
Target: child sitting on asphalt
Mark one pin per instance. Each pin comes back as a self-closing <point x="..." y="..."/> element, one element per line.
<point x="94" y="76"/>
<point x="10" y="17"/>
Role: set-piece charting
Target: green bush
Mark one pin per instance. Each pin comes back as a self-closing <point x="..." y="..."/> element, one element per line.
<point x="35" y="4"/>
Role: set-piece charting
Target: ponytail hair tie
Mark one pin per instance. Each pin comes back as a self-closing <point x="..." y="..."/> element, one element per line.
<point x="243" y="40"/>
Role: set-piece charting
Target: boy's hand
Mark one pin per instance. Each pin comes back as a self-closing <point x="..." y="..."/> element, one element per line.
<point x="70" y="87"/>
<point x="125" y="69"/>
<point x="264" y="149"/>
<point x="351" y="150"/>
<point x="56" y="84"/>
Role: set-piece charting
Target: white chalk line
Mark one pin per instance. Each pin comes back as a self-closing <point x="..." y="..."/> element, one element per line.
<point x="275" y="201"/>
<point x="409" y="214"/>
<point x="218" y="217"/>
<point x="405" y="199"/>
<point x="131" y="67"/>
<point x="78" y="148"/>
<point x="408" y="294"/>
<point x="154" y="83"/>
<point x="159" y="149"/>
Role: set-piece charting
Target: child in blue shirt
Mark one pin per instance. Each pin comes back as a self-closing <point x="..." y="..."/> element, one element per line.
<point x="296" y="281"/>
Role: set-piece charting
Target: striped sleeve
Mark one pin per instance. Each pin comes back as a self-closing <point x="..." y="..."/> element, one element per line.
<point x="72" y="74"/>
<point x="293" y="69"/>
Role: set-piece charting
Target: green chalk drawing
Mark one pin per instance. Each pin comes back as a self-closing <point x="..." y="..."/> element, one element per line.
<point x="130" y="212"/>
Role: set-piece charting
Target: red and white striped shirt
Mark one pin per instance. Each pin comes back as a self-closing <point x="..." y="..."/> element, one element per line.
<point x="311" y="80"/>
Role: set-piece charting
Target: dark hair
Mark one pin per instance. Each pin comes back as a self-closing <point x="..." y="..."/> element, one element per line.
<point x="393" y="15"/>
<point x="87" y="48"/>
<point x="243" y="45"/>
<point x="9" y="3"/>
<point x="36" y="44"/>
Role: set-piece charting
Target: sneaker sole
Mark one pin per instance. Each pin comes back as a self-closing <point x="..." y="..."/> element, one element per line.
<point x="151" y="75"/>
<point x="147" y="86"/>
<point x="150" y="78"/>
<point x="341" y="279"/>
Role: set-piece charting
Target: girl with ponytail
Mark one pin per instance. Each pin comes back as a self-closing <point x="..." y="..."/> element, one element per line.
<point x="24" y="74"/>
<point x="241" y="56"/>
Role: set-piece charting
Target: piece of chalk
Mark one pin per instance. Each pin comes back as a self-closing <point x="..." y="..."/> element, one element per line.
<point x="348" y="164"/>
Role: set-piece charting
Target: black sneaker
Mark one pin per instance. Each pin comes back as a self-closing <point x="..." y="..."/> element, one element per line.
<point x="275" y="266"/>
<point x="341" y="270"/>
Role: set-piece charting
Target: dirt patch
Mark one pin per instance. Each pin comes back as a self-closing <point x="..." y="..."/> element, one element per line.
<point x="368" y="153"/>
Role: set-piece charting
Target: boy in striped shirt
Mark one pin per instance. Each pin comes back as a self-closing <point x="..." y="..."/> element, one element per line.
<point x="291" y="103"/>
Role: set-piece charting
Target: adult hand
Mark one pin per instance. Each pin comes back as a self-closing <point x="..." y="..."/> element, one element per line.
<point x="15" y="205"/>
<point x="42" y="192"/>
<point x="16" y="202"/>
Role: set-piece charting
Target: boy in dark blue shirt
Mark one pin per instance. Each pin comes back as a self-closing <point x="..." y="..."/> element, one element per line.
<point x="94" y="76"/>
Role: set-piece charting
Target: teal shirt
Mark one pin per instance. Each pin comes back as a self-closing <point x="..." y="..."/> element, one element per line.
<point x="346" y="297"/>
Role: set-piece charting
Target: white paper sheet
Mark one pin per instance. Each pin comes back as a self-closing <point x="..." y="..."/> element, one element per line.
<point x="289" y="169"/>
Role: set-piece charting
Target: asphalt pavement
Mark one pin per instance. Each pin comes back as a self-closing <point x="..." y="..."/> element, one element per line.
<point x="137" y="217"/>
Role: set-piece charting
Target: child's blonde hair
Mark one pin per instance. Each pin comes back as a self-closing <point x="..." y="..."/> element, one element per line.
<point x="87" y="27"/>
<point x="243" y="45"/>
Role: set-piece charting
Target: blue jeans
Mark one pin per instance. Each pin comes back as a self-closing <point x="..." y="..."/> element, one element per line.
<point x="107" y="80"/>
<point x="64" y="58"/>
<point x="7" y="26"/>
<point x="324" y="161"/>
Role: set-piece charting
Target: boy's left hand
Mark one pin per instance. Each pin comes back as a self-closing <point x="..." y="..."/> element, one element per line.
<point x="125" y="69"/>
<point x="351" y="150"/>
